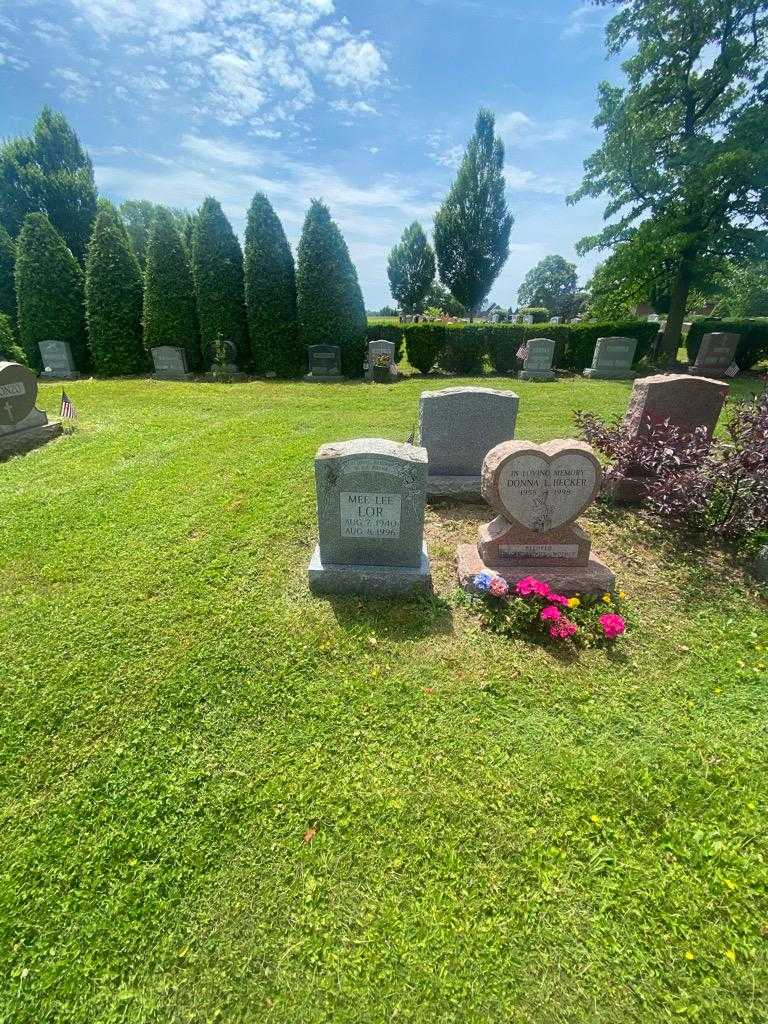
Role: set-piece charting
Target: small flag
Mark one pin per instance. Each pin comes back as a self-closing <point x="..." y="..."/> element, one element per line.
<point x="412" y="435"/>
<point x="522" y="352"/>
<point x="67" y="411"/>
<point x="732" y="370"/>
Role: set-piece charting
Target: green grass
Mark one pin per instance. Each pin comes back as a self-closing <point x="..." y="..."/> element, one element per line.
<point x="504" y="834"/>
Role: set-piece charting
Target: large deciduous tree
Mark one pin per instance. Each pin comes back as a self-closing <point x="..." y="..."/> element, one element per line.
<point x="49" y="292"/>
<point x="330" y="303"/>
<point x="552" y="284"/>
<point x="472" y="226"/>
<point x="411" y="269"/>
<point x="217" y="267"/>
<point x="49" y="172"/>
<point x="270" y="293"/>
<point x="685" y="146"/>
<point x="170" y="315"/>
<point x="113" y="298"/>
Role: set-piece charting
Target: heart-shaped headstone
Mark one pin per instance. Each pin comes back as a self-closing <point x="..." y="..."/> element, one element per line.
<point x="541" y="487"/>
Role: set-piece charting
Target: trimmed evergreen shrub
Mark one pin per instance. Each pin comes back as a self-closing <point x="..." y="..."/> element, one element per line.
<point x="330" y="303"/>
<point x="7" y="285"/>
<point x="113" y="298"/>
<point x="270" y="294"/>
<point x="217" y="268"/>
<point x="170" y="316"/>
<point x="9" y="350"/>
<point x="464" y="349"/>
<point x="49" y="292"/>
<point x="540" y="314"/>
<point x="424" y="344"/>
<point x="753" y="344"/>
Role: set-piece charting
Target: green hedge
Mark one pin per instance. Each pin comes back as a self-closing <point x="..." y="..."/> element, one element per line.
<point x="752" y="347"/>
<point x="540" y="314"/>
<point x="9" y="350"/>
<point x="462" y="348"/>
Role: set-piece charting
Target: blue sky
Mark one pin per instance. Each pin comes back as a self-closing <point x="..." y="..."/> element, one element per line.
<point x="365" y="104"/>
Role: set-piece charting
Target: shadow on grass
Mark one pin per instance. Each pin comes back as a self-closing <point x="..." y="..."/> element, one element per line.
<point x="393" y="618"/>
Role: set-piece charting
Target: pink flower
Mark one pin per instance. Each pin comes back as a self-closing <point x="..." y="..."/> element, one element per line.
<point x="530" y="585"/>
<point x="550" y="612"/>
<point x="563" y="629"/>
<point x="558" y="599"/>
<point x="541" y="589"/>
<point x="613" y="624"/>
<point x="498" y="587"/>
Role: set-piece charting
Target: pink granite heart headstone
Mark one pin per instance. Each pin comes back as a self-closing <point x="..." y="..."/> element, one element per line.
<point x="541" y="487"/>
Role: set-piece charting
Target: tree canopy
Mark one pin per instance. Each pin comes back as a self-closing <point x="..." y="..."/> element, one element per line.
<point x="551" y="284"/>
<point x="7" y="285"/>
<point x="170" y="315"/>
<point x="411" y="269"/>
<point x="49" y="172"/>
<point x="472" y="226"/>
<point x="685" y="147"/>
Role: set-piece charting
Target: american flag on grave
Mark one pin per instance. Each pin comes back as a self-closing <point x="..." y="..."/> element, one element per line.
<point x="732" y="370"/>
<point x="67" y="411"/>
<point x="522" y="352"/>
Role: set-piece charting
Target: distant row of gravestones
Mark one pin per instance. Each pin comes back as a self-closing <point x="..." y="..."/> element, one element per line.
<point x="612" y="359"/>
<point x="371" y="492"/>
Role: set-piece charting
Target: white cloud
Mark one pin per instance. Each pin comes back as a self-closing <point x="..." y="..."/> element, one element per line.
<point x="356" y="62"/>
<point x="518" y="129"/>
<point x="76" y="86"/>
<point x="521" y="180"/>
<point x="356" y="107"/>
<point x="220" y="151"/>
<point x="586" y="18"/>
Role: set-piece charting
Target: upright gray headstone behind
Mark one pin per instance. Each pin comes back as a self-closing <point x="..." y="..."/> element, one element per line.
<point x="458" y="427"/>
<point x="612" y="359"/>
<point x="538" y="362"/>
<point x="379" y="348"/>
<point x="715" y="355"/>
<point x="170" y="363"/>
<point x="58" y="363"/>
<point x="370" y="513"/>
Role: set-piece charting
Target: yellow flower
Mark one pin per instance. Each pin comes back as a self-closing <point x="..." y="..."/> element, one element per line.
<point x="573" y="602"/>
<point x="622" y="594"/>
<point x="606" y="598"/>
<point x="689" y="955"/>
<point x="730" y="954"/>
<point x="750" y="806"/>
<point x="729" y="884"/>
<point x="595" y="818"/>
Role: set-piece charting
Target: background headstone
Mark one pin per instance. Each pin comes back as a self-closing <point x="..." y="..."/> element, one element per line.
<point x="22" y="426"/>
<point x="379" y="348"/>
<point x="170" y="363"/>
<point x="715" y="355"/>
<point x="58" y="363"/>
<point x="228" y="370"/>
<point x="458" y="427"/>
<point x="760" y="564"/>
<point x="538" y="362"/>
<point x="538" y="492"/>
<point x="612" y="359"/>
<point x="324" y="364"/>
<point x="370" y="513"/>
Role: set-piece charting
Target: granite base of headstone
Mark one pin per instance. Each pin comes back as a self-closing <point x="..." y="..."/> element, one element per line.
<point x="22" y="426"/>
<point x="538" y="492"/>
<point x="538" y="362"/>
<point x="370" y="513"/>
<point x="324" y="364"/>
<point x="685" y="402"/>
<point x="381" y="349"/>
<point x="612" y="359"/>
<point x="458" y="427"/>
<point x="58" y="363"/>
<point x="716" y="354"/>
<point x="170" y="363"/>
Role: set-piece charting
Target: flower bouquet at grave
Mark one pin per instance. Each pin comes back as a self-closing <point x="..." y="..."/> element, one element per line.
<point x="531" y="608"/>
<point x="382" y="368"/>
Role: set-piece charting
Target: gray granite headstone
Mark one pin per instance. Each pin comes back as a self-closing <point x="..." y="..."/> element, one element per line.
<point x="760" y="564"/>
<point x="370" y="515"/>
<point x="170" y="363"/>
<point x="715" y="355"/>
<point x="538" y="362"/>
<point x="612" y="359"/>
<point x="58" y="363"/>
<point x="324" y="364"/>
<point x="528" y="318"/>
<point x="22" y="426"/>
<point x="380" y="348"/>
<point x="458" y="427"/>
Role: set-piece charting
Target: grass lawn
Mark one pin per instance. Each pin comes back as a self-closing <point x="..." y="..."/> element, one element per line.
<point x="503" y="834"/>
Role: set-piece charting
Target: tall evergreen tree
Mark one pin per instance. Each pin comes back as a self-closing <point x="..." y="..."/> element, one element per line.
<point x="9" y="350"/>
<point x="113" y="298"/>
<point x="685" y="142"/>
<point x="330" y="303"/>
<point x="472" y="226"/>
<point x="411" y="269"/>
<point x="50" y="173"/>
<point x="217" y="267"/>
<point x="49" y="292"/>
<point x="270" y="293"/>
<point x="170" y="315"/>
<point x="7" y="286"/>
